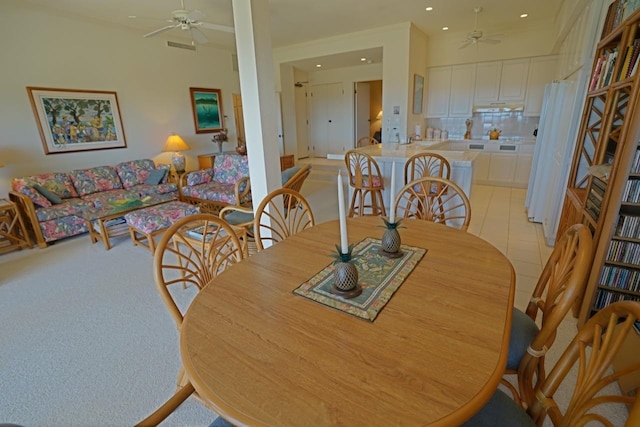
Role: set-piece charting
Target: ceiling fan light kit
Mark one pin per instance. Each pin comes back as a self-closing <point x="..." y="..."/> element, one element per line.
<point x="190" y="20"/>
<point x="477" y="36"/>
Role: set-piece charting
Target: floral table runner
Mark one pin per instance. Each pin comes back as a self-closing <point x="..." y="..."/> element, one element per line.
<point x="378" y="275"/>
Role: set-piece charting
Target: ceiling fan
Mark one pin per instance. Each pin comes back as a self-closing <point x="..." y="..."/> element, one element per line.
<point x="476" y="36"/>
<point x="190" y="20"/>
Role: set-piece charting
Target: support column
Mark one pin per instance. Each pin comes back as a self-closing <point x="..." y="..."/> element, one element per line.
<point x="255" y="63"/>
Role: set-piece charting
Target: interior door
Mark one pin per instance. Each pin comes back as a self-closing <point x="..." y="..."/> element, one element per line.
<point x="237" y="114"/>
<point x="302" y="121"/>
<point x="362" y="102"/>
<point x="326" y="117"/>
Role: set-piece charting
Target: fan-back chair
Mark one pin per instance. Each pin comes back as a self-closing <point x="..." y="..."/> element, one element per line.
<point x="590" y="355"/>
<point x="434" y="199"/>
<point x="426" y="164"/>
<point x="365" y="141"/>
<point x="561" y="283"/>
<point x="191" y="252"/>
<point x="283" y="213"/>
<point x="241" y="218"/>
<point x="367" y="184"/>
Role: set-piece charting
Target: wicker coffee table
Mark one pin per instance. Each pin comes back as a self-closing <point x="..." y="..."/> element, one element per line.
<point x="107" y="221"/>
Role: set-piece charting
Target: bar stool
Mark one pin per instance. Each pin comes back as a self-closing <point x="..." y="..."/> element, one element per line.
<point x="367" y="184"/>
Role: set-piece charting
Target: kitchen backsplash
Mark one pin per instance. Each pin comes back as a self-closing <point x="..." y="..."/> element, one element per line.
<point x="512" y="124"/>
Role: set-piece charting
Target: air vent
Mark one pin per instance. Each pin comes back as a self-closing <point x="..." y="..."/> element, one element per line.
<point x="180" y="45"/>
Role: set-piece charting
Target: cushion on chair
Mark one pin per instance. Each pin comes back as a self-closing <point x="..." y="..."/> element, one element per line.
<point x="237" y="217"/>
<point x="523" y="331"/>
<point x="288" y="173"/>
<point x="220" y="422"/>
<point x="500" y="410"/>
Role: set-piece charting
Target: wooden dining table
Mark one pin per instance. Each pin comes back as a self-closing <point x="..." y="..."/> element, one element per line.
<point x="258" y="354"/>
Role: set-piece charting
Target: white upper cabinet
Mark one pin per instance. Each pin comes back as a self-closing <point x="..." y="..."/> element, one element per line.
<point x="463" y="81"/>
<point x="438" y="88"/>
<point x="487" y="82"/>
<point x="500" y="82"/>
<point x="450" y="91"/>
<point x="513" y="81"/>
<point x="541" y="72"/>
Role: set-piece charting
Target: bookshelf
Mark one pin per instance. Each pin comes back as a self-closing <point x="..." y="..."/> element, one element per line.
<point x="603" y="191"/>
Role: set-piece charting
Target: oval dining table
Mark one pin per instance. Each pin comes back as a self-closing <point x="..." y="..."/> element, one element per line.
<point x="258" y="354"/>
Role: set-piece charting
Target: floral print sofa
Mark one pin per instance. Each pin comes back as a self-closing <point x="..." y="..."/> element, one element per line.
<point x="80" y="189"/>
<point x="227" y="183"/>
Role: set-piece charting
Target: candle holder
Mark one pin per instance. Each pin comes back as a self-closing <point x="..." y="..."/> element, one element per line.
<point x="390" y="243"/>
<point x="345" y="275"/>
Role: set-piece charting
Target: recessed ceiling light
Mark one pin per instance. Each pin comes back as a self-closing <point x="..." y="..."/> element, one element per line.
<point x="132" y="16"/>
<point x="318" y="65"/>
<point x="429" y="9"/>
<point x="524" y="15"/>
<point x="445" y="28"/>
<point x="363" y="59"/>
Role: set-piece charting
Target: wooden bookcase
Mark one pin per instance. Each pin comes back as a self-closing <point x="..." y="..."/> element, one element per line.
<point x="605" y="171"/>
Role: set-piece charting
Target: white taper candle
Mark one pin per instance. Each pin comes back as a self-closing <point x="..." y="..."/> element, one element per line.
<point x="392" y="194"/>
<point x="344" y="245"/>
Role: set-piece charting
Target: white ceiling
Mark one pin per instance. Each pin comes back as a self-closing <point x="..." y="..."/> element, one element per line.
<point x="297" y="21"/>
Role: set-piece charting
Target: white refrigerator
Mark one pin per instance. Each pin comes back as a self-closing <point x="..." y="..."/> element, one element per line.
<point x="552" y="157"/>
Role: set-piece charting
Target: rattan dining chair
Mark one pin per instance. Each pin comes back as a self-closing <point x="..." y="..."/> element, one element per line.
<point x="426" y="164"/>
<point x="434" y="199"/>
<point x="366" y="183"/>
<point x="192" y="252"/>
<point x="365" y="141"/>
<point x="241" y="218"/>
<point x="589" y="354"/>
<point x="283" y="213"/>
<point x="560" y="284"/>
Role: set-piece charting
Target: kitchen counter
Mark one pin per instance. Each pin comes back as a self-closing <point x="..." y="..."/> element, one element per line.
<point x="461" y="162"/>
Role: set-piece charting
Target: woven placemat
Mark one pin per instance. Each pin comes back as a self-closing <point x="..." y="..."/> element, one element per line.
<point x="378" y="275"/>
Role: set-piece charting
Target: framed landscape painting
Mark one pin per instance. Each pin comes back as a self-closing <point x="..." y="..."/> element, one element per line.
<point x="418" y="86"/>
<point x="207" y="109"/>
<point x="72" y="120"/>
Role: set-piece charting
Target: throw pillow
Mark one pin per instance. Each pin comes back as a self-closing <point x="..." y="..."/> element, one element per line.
<point x="155" y="177"/>
<point x="49" y="195"/>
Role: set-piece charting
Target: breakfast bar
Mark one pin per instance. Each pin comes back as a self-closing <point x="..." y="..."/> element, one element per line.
<point x="461" y="162"/>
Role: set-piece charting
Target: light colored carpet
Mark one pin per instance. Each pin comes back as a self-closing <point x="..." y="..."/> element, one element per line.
<point x="85" y="339"/>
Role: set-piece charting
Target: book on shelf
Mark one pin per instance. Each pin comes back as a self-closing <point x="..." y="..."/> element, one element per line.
<point x="596" y="73"/>
<point x="625" y="64"/>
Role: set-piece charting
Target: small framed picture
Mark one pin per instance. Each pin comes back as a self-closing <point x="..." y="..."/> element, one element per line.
<point x="207" y="109"/>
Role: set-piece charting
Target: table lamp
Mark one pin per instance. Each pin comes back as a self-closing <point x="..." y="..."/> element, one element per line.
<point x="176" y="144"/>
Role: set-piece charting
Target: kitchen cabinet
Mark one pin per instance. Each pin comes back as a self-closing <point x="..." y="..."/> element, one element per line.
<point x="481" y="167"/>
<point x="501" y="82"/>
<point x="450" y="91"/>
<point x="523" y="169"/>
<point x="462" y="86"/>
<point x="502" y="168"/>
<point x="438" y="91"/>
<point x="487" y="86"/>
<point x="541" y="72"/>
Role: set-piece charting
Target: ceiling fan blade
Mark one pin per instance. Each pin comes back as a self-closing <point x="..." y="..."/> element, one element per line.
<point x="217" y="27"/>
<point x="195" y="15"/>
<point x="490" y="41"/>
<point x="464" y="44"/>
<point x="159" y="30"/>
<point x="198" y="35"/>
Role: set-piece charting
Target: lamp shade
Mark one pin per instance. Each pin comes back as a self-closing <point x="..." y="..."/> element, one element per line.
<point x="379" y="116"/>
<point x="175" y="143"/>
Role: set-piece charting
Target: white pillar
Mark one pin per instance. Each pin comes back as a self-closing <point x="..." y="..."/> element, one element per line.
<point x="255" y="63"/>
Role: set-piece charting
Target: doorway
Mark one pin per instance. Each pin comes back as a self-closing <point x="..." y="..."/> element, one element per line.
<point x="368" y="109"/>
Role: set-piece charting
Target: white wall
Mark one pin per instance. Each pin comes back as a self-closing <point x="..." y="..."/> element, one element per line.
<point x="43" y="48"/>
<point x="444" y="50"/>
<point x="394" y="40"/>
